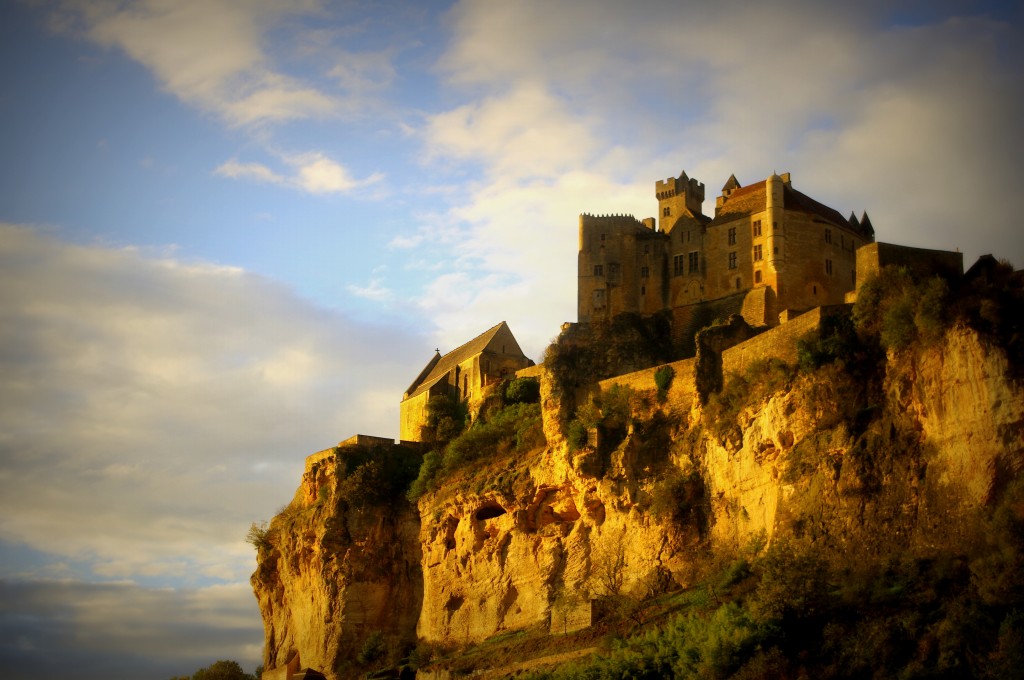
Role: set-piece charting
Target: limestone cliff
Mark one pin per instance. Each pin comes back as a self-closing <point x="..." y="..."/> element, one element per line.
<point x="532" y="540"/>
<point x="335" y="571"/>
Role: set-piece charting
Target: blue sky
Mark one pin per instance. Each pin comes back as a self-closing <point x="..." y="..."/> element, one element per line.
<point x="232" y="232"/>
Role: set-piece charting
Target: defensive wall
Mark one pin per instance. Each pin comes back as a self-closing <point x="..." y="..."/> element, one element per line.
<point x="535" y="371"/>
<point x="680" y="392"/>
<point x="779" y="342"/>
<point x="921" y="262"/>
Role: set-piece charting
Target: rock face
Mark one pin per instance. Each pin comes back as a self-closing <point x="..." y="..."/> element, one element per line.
<point x="533" y="540"/>
<point x="334" y="576"/>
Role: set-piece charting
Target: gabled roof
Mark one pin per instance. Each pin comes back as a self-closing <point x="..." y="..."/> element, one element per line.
<point x="731" y="183"/>
<point x="751" y="199"/>
<point x="439" y="366"/>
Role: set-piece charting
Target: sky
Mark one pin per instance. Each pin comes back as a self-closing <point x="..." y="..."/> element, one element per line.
<point x="232" y="232"/>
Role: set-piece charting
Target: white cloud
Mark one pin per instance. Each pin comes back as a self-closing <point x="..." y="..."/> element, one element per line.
<point x="318" y="174"/>
<point x="208" y="53"/>
<point x="254" y="171"/>
<point x="311" y="172"/>
<point x="151" y="409"/>
<point x="373" y="291"/>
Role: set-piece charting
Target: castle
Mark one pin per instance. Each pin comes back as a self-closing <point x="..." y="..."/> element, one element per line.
<point x="769" y="254"/>
<point x="769" y="250"/>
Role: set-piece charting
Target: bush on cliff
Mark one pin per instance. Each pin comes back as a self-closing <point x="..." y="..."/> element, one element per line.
<point x="515" y="428"/>
<point x="586" y="353"/>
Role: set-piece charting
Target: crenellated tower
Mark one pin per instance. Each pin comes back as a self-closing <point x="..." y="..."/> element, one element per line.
<point x="678" y="197"/>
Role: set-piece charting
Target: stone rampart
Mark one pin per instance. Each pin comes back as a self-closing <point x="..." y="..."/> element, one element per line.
<point x="680" y="392"/>
<point x="779" y="342"/>
<point x="531" y="371"/>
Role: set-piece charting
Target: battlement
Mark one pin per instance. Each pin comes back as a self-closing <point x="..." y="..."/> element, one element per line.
<point x="674" y="186"/>
<point x="602" y="220"/>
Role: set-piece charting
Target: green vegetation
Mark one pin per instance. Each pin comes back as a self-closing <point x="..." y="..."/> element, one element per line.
<point x="223" y="670"/>
<point x="374" y="476"/>
<point x="446" y="418"/>
<point x="523" y="391"/>
<point x="587" y="353"/>
<point x="663" y="381"/>
<point x="610" y="412"/>
<point x="259" y="536"/>
<point x="509" y="424"/>
<point x="896" y="311"/>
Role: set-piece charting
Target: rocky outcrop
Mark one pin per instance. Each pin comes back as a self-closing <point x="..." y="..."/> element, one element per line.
<point x="333" y="575"/>
<point x="532" y="540"/>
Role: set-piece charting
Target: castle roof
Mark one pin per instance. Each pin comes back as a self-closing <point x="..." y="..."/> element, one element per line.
<point x="439" y="366"/>
<point x="751" y="199"/>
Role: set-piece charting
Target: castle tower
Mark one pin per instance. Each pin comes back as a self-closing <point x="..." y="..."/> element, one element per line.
<point x="775" y="237"/>
<point x="678" y="197"/>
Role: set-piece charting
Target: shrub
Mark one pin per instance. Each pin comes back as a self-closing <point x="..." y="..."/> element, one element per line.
<point x="523" y="391"/>
<point x="259" y="535"/>
<point x="897" y="311"/>
<point x="663" y="380"/>
<point x="445" y="419"/>
<point x="576" y="435"/>
<point x="373" y="648"/>
<point x="222" y="670"/>
<point x="587" y="353"/>
<point x="680" y="498"/>
<point x="517" y="428"/>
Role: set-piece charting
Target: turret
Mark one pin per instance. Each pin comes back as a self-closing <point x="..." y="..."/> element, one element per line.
<point x="774" y="203"/>
<point x="677" y="197"/>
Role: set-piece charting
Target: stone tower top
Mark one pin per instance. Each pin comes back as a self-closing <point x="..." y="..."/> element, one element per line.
<point x="678" y="196"/>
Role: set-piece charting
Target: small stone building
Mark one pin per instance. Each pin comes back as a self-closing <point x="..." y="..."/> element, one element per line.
<point x="462" y="374"/>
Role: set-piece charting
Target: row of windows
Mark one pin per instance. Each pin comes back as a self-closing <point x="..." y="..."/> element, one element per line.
<point x="690" y="263"/>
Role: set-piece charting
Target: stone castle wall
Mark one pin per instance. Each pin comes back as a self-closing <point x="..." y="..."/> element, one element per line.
<point x="680" y="393"/>
<point x="779" y="342"/>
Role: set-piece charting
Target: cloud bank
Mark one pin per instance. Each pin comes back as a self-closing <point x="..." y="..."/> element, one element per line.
<point x="149" y="407"/>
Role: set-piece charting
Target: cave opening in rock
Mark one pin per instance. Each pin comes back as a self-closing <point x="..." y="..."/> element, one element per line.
<point x="490" y="512"/>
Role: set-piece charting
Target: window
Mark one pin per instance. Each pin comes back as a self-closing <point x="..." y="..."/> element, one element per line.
<point x="757" y="253"/>
<point x="678" y="265"/>
<point x="598" y="270"/>
<point x="737" y="283"/>
<point x="666" y="211"/>
<point x="828" y="236"/>
<point x="732" y="236"/>
<point x="602" y="237"/>
<point x="732" y="260"/>
<point x="644" y="272"/>
<point x="828" y="267"/>
<point x="757" y="228"/>
<point x="757" y="276"/>
<point x="643" y="290"/>
<point x="694" y="262"/>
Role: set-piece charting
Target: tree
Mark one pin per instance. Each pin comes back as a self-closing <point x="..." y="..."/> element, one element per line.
<point x="222" y="670"/>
